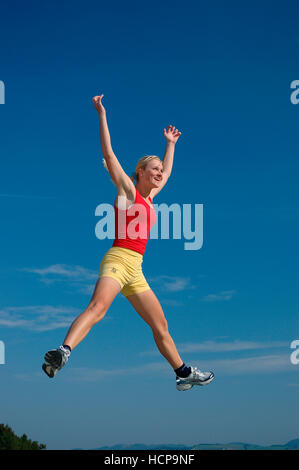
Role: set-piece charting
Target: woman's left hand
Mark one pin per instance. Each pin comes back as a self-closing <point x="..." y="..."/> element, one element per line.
<point x="172" y="134"/>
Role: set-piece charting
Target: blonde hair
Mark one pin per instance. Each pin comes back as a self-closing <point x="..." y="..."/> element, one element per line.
<point x="140" y="164"/>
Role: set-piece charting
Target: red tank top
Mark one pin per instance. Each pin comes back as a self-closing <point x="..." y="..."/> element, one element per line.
<point x="132" y="225"/>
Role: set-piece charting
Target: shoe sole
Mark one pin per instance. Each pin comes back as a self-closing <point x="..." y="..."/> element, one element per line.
<point x="48" y="369"/>
<point x="184" y="387"/>
<point x="53" y="363"/>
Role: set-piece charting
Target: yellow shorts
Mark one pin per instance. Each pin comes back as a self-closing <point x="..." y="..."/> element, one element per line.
<point x="124" y="266"/>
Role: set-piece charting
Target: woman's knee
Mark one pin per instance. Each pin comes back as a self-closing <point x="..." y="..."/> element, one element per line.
<point x="161" y="329"/>
<point x="97" y="310"/>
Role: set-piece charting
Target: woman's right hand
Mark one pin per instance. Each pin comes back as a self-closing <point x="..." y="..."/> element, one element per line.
<point x="97" y="101"/>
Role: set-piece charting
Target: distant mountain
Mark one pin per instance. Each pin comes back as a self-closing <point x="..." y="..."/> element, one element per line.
<point x="291" y="445"/>
<point x="294" y="444"/>
<point x="146" y="447"/>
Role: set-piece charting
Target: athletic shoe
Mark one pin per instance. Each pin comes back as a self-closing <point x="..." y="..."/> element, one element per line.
<point x="55" y="360"/>
<point x="196" y="377"/>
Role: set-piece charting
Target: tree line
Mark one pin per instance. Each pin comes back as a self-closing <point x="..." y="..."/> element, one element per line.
<point x="10" y="441"/>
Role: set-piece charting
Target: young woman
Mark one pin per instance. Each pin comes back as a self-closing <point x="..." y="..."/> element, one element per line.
<point x="121" y="266"/>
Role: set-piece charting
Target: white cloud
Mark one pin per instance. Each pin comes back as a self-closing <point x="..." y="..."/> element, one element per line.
<point x="248" y="365"/>
<point x="237" y="345"/>
<point x="223" y="295"/>
<point x="221" y="346"/>
<point x="78" y="278"/>
<point x="37" y="317"/>
<point x="172" y="283"/>
<point x="64" y="271"/>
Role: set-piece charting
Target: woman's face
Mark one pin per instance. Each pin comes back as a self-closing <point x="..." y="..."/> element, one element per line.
<point x="152" y="173"/>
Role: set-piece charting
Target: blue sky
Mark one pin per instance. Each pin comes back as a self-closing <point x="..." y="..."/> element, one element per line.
<point x="221" y="74"/>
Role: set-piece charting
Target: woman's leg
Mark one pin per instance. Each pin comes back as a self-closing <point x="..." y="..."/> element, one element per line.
<point x="104" y="293"/>
<point x="148" y="307"/>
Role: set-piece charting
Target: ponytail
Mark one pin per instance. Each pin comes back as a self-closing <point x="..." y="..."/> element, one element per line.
<point x="133" y="176"/>
<point x="105" y="164"/>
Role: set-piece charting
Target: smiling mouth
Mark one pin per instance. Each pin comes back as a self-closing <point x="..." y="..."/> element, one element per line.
<point x="158" y="179"/>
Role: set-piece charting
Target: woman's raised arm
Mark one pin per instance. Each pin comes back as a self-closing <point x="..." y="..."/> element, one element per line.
<point x="118" y="175"/>
<point x="171" y="135"/>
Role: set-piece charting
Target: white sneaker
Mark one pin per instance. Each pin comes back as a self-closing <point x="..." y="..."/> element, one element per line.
<point x="196" y="377"/>
<point x="55" y="360"/>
